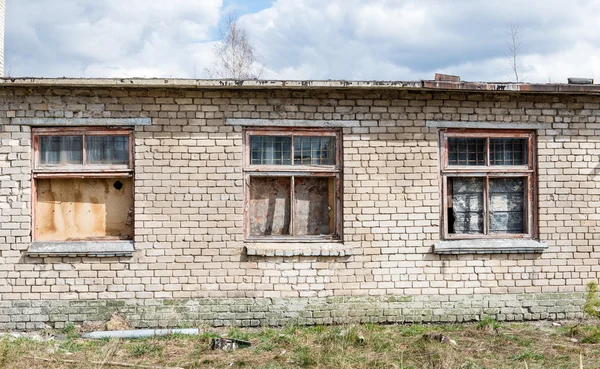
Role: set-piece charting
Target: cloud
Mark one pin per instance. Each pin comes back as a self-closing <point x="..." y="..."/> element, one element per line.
<point x="109" y="38"/>
<point x="306" y="39"/>
<point x="414" y="39"/>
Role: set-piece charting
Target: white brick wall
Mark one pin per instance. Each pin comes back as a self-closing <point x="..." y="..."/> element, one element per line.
<point x="189" y="197"/>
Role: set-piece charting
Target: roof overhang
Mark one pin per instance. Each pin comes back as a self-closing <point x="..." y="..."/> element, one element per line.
<point x="426" y="85"/>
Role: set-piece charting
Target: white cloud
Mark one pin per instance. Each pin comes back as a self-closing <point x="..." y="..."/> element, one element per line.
<point x="110" y="38"/>
<point x="389" y="39"/>
<point x="306" y="39"/>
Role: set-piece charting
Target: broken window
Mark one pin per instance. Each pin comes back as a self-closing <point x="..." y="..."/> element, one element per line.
<point x="293" y="184"/>
<point x="83" y="184"/>
<point x="488" y="182"/>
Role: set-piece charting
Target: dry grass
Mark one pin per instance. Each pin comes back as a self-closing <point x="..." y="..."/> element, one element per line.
<point x="484" y="345"/>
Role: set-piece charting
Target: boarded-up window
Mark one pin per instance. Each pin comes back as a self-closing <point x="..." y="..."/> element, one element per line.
<point x="313" y="206"/>
<point x="83" y="184"/>
<point x="270" y="204"/>
<point x="71" y="209"/>
<point x="297" y="198"/>
<point x="488" y="184"/>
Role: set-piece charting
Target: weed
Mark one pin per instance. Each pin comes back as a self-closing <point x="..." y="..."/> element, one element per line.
<point x="289" y="329"/>
<point x="520" y="340"/>
<point x="3" y="352"/>
<point x="272" y="366"/>
<point x="69" y="328"/>
<point x="70" y="345"/>
<point x="488" y="323"/>
<point x="144" y="349"/>
<point x="413" y="330"/>
<point x="303" y="356"/>
<point x="237" y="334"/>
<point x="592" y="337"/>
<point x="431" y="354"/>
<point x="591" y="307"/>
<point x="528" y="354"/>
<point x="208" y="335"/>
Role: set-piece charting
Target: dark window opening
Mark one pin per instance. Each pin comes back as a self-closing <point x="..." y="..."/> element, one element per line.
<point x="466" y="151"/>
<point x="488" y="180"/>
<point x="508" y="151"/>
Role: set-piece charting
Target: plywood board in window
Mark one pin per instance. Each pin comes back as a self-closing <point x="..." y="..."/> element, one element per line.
<point x="84" y="209"/>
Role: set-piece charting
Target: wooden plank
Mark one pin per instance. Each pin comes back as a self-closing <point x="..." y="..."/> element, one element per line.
<point x="84" y="208"/>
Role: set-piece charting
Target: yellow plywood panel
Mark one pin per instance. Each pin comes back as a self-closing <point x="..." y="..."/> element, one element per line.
<point x="84" y="208"/>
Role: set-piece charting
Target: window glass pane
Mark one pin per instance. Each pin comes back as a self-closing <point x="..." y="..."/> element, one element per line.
<point x="107" y="149"/>
<point x="465" y="212"/>
<point x="314" y="150"/>
<point x="313" y="206"/>
<point x="466" y="151"/>
<point x="507" y="205"/>
<point x="508" y="151"/>
<point x="61" y="150"/>
<point x="270" y="150"/>
<point x="269" y="206"/>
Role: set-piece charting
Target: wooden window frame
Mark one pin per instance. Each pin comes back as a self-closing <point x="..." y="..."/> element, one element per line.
<point x="75" y="170"/>
<point x="84" y="169"/>
<point x="292" y="171"/>
<point x="487" y="171"/>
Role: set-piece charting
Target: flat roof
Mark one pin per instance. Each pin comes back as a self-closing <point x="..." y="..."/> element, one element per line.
<point x="424" y="85"/>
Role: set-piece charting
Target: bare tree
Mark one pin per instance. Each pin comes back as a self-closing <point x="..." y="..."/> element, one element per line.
<point x="235" y="55"/>
<point x="514" y="48"/>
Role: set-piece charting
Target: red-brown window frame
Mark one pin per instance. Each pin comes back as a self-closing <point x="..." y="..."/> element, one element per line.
<point x="292" y="171"/>
<point x="76" y="171"/>
<point x="488" y="171"/>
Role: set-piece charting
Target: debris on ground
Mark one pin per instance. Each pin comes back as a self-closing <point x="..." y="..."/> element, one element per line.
<point x="118" y="323"/>
<point x="227" y="344"/>
<point x="438" y="337"/>
<point x="88" y="326"/>
<point x="33" y="336"/>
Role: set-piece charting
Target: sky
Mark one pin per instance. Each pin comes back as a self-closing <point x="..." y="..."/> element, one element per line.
<point x="306" y="39"/>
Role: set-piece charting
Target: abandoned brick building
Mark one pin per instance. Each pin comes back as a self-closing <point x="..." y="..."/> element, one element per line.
<point x="265" y="202"/>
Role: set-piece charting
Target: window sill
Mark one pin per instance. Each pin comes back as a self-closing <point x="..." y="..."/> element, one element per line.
<point x="81" y="248"/>
<point x="297" y="249"/>
<point x="498" y="246"/>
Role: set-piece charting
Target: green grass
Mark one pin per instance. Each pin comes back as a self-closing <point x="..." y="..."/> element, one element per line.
<point x="144" y="349"/>
<point x="479" y="345"/>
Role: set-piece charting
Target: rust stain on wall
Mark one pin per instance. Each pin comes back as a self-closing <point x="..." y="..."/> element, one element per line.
<point x="83" y="208"/>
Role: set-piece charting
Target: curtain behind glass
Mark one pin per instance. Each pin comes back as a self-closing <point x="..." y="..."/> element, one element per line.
<point x="107" y="149"/>
<point x="61" y="150"/>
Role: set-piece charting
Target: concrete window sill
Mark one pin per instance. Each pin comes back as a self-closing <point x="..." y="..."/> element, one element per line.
<point x="481" y="246"/>
<point x="297" y="249"/>
<point x="81" y="248"/>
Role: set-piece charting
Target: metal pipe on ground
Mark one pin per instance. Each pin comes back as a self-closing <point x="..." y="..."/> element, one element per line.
<point x="140" y="333"/>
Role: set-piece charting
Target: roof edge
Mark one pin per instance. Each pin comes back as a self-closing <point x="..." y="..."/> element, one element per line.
<point x="204" y="83"/>
<point x="424" y="85"/>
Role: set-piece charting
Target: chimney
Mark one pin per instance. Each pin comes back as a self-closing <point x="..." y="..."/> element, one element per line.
<point x="2" y="11"/>
<point x="446" y="78"/>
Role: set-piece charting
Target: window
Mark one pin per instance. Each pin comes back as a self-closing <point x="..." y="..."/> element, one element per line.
<point x="293" y="184"/>
<point x="83" y="185"/>
<point x="488" y="184"/>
